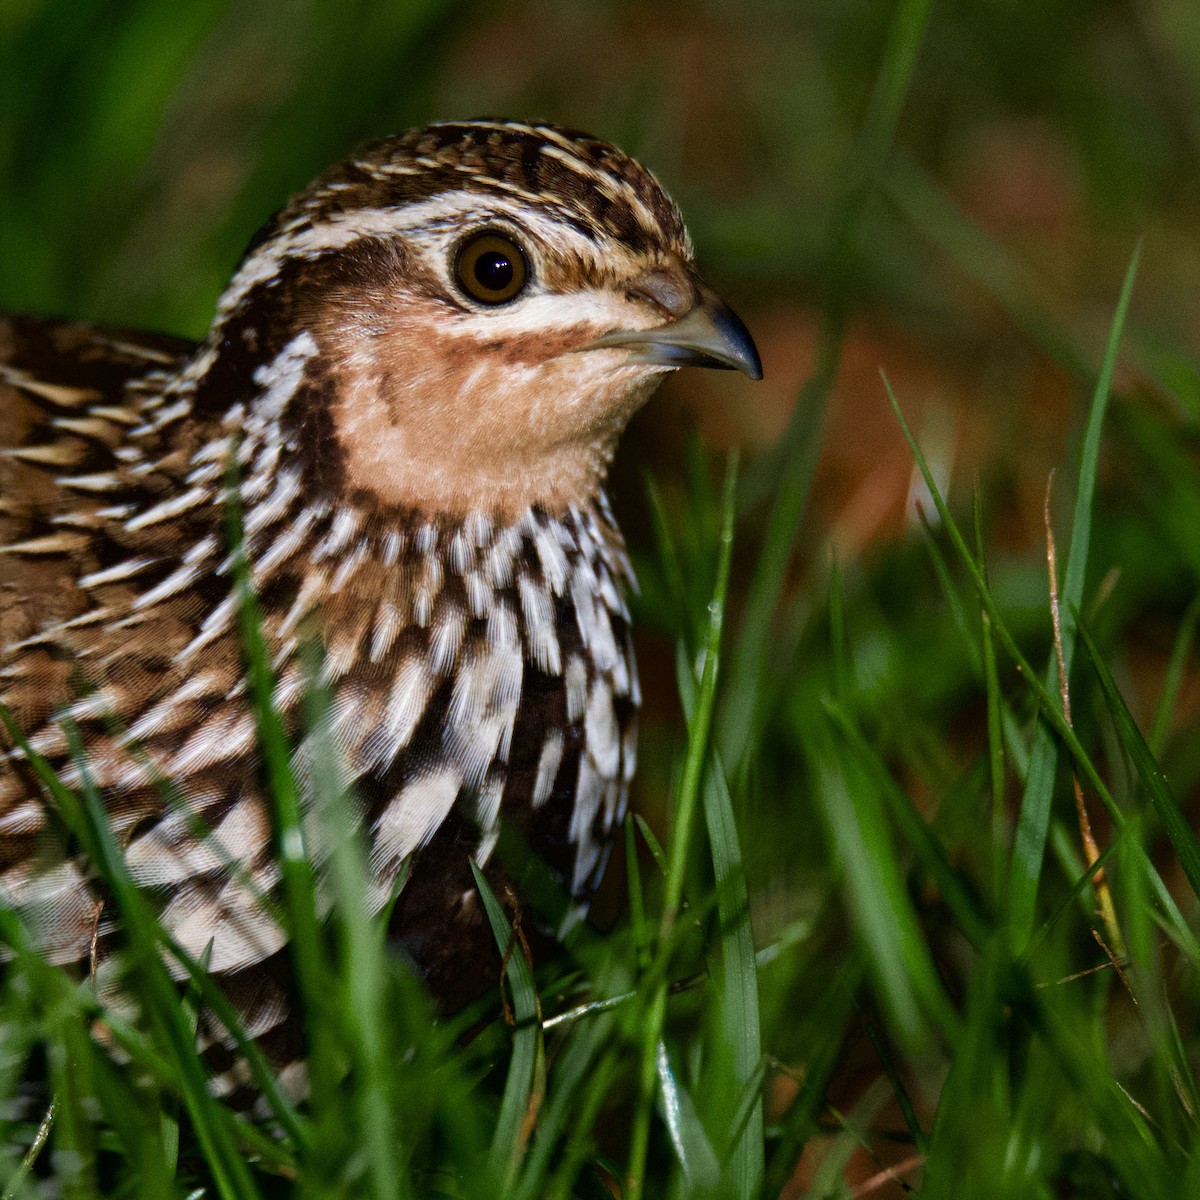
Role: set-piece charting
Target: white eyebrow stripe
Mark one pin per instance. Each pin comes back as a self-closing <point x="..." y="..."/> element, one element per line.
<point x="343" y="229"/>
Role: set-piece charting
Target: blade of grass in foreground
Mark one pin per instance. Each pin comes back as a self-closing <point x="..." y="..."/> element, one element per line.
<point x="995" y="726"/>
<point x="1171" y="1086"/>
<point x="88" y="821"/>
<point x="361" y="964"/>
<point x="700" y="724"/>
<point x="737" y="984"/>
<point x="521" y="1086"/>
<point x="1173" y="677"/>
<point x="737" y="980"/>
<point x="15" y="1186"/>
<point x="686" y="802"/>
<point x="581" y="1078"/>
<point x="637" y="903"/>
<point x="313" y="975"/>
<point x="969" y="915"/>
<point x="156" y="991"/>
<point x="857" y="830"/>
<point x="693" y="1149"/>
<point x="1149" y="773"/>
<point x="1033" y="822"/>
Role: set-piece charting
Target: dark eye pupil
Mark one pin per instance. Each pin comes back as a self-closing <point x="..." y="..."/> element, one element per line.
<point x="493" y="270"/>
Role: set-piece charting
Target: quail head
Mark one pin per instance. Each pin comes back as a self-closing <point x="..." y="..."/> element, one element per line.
<point x="420" y="371"/>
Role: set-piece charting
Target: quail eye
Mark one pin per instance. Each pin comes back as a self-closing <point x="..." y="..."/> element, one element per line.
<point x="490" y="268"/>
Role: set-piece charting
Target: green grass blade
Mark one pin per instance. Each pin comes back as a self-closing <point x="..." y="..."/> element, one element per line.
<point x="700" y="724"/>
<point x="752" y="653"/>
<point x="1173" y="922"/>
<point x="668" y="557"/>
<point x="155" y="990"/>
<point x="273" y="740"/>
<point x="590" y="1049"/>
<point x="314" y="977"/>
<point x="1033" y="822"/>
<point x="639" y="1136"/>
<point x="15" y="1187"/>
<point x="637" y="904"/>
<point x="900" y="1091"/>
<point x="1170" y="1073"/>
<point x="1173" y="677"/>
<point x="190" y="1002"/>
<point x="1083" y="883"/>
<point x="958" y="612"/>
<point x="582" y="1076"/>
<point x="653" y="844"/>
<point x="512" y="1132"/>
<point x="897" y="954"/>
<point x="969" y="914"/>
<point x="687" y="799"/>
<point x="737" y="986"/>
<point x="261" y="1072"/>
<point x="361" y="965"/>
<point x="841" y="671"/>
<point x="582" y="1132"/>
<point x="995" y="729"/>
<point x="1149" y="773"/>
<point x="693" y="1150"/>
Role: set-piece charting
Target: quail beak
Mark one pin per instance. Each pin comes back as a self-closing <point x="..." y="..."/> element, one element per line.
<point x="708" y="334"/>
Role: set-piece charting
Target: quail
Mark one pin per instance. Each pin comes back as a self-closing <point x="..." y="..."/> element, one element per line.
<point x="419" y="373"/>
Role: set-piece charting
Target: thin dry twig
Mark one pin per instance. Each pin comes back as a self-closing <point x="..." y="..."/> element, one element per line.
<point x="889" y="1175"/>
<point x="1075" y="976"/>
<point x="517" y="940"/>
<point x="1091" y="852"/>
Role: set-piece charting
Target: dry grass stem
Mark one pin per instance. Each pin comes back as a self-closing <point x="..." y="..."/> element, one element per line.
<point x="1091" y="852"/>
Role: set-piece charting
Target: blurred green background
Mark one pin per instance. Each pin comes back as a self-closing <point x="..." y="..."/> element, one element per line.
<point x="949" y="192"/>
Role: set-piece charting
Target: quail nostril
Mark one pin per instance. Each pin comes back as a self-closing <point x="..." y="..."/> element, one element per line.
<point x="672" y="291"/>
<point x="707" y="334"/>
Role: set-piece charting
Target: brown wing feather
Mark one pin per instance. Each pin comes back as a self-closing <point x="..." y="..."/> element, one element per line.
<point x="64" y="407"/>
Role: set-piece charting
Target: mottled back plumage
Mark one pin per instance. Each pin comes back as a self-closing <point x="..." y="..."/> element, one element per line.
<point x="420" y="470"/>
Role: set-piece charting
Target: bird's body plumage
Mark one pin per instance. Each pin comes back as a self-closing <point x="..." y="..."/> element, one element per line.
<point x="420" y="470"/>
